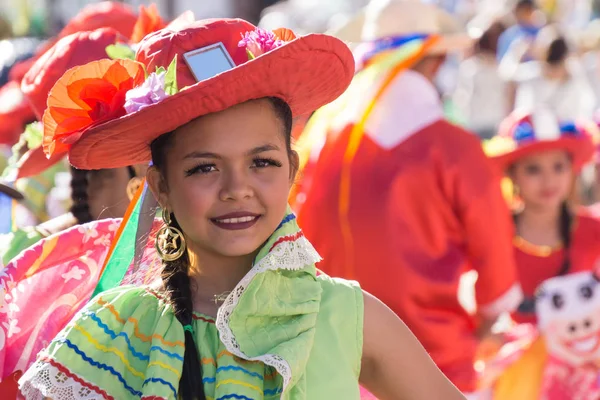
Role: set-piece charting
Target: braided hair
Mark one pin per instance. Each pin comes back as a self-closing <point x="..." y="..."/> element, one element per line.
<point x="175" y="274"/>
<point x="565" y="225"/>
<point x="79" y="196"/>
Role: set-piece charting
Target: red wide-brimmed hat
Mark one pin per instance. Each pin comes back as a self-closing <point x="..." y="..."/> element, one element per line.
<point x="522" y="134"/>
<point x="15" y="113"/>
<point x="105" y="14"/>
<point x="306" y="72"/>
<point x="76" y="49"/>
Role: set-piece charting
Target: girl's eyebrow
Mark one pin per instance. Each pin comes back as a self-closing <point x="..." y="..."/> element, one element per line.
<point x="197" y="154"/>
<point x="262" y="149"/>
<point x="254" y="151"/>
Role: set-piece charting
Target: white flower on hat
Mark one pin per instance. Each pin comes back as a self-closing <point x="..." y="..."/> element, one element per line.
<point x="545" y="125"/>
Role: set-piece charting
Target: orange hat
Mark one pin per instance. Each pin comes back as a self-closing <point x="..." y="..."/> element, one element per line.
<point x="15" y="113"/>
<point x="522" y="134"/>
<point x="76" y="49"/>
<point x="306" y="72"/>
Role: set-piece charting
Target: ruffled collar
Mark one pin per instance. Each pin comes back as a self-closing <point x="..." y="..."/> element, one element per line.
<point x="271" y="314"/>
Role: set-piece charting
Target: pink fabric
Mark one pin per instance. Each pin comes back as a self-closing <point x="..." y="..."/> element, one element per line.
<point x="43" y="288"/>
<point x="565" y="382"/>
<point x="365" y="395"/>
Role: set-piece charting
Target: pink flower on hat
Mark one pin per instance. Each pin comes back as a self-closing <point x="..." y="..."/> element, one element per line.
<point x="260" y="41"/>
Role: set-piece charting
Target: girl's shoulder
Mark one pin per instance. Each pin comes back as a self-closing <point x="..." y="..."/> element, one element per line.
<point x="341" y="297"/>
<point x="587" y="219"/>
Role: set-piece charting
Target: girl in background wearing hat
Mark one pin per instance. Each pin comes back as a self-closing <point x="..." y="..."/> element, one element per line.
<point x="240" y="310"/>
<point x="542" y="156"/>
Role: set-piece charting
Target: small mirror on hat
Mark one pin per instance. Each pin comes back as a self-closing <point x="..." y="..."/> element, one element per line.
<point x="208" y="61"/>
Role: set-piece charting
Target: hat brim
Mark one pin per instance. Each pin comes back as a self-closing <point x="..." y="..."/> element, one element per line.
<point x="35" y="162"/>
<point x="11" y="192"/>
<point x="351" y="31"/>
<point x="306" y="73"/>
<point x="581" y="151"/>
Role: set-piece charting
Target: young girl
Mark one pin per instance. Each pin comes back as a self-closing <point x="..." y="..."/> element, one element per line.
<point x="542" y="156"/>
<point x="241" y="311"/>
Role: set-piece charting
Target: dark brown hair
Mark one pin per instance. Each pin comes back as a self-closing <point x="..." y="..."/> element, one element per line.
<point x="175" y="274"/>
<point x="79" y="196"/>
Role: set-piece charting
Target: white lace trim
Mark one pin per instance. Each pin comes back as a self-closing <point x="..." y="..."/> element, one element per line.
<point x="286" y="255"/>
<point x="43" y="380"/>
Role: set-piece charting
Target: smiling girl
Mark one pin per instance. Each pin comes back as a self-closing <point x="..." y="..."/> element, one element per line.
<point x="542" y="156"/>
<point x="239" y="311"/>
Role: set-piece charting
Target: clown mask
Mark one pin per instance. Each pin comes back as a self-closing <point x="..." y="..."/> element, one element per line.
<point x="568" y="311"/>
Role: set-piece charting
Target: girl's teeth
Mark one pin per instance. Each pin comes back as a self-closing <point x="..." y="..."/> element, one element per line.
<point x="236" y="220"/>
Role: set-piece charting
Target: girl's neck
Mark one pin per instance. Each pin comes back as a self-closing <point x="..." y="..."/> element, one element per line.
<point x="215" y="275"/>
<point x="539" y="226"/>
<point x="556" y="72"/>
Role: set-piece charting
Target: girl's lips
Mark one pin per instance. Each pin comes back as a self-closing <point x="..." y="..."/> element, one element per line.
<point x="236" y="221"/>
<point x="547" y="194"/>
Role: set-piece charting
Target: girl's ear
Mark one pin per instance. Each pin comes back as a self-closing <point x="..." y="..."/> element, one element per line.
<point x="294" y="166"/>
<point x="158" y="186"/>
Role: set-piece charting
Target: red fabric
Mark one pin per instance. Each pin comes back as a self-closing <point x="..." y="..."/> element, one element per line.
<point x="104" y="14"/>
<point x="562" y="381"/>
<point x="15" y="113"/>
<point x="9" y="388"/>
<point x="307" y="73"/>
<point x="421" y="214"/>
<point x="584" y="252"/>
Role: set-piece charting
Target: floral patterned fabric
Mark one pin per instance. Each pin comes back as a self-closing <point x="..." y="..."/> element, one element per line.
<point x="43" y="288"/>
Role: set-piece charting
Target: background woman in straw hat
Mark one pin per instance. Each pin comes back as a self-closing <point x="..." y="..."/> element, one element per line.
<point x="401" y="200"/>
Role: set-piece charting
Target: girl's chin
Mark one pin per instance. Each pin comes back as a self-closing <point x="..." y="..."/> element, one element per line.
<point x="237" y="249"/>
<point x="546" y="204"/>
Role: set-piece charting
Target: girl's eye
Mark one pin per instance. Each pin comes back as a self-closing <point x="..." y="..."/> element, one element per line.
<point x="202" y="169"/>
<point x="559" y="167"/>
<point x="265" y="162"/>
<point x="532" y="169"/>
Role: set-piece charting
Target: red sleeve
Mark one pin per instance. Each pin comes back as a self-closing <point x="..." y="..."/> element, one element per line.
<point x="487" y="224"/>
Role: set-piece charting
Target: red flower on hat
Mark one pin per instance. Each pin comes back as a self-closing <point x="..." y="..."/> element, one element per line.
<point x="87" y="96"/>
<point x="148" y="21"/>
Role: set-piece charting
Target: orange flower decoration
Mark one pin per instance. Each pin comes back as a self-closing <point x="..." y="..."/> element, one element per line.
<point x="148" y="21"/>
<point x="87" y="96"/>
<point x="287" y="35"/>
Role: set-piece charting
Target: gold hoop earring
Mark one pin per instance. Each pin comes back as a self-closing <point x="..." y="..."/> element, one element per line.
<point x="132" y="187"/>
<point x="170" y="243"/>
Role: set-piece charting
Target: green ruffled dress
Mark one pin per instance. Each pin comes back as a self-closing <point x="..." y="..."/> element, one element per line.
<point x="286" y="331"/>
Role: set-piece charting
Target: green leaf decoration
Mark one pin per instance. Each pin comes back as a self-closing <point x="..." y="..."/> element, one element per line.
<point x="33" y="135"/>
<point x="250" y="55"/>
<point x="171" y="78"/>
<point x="31" y="138"/>
<point x="120" y="51"/>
